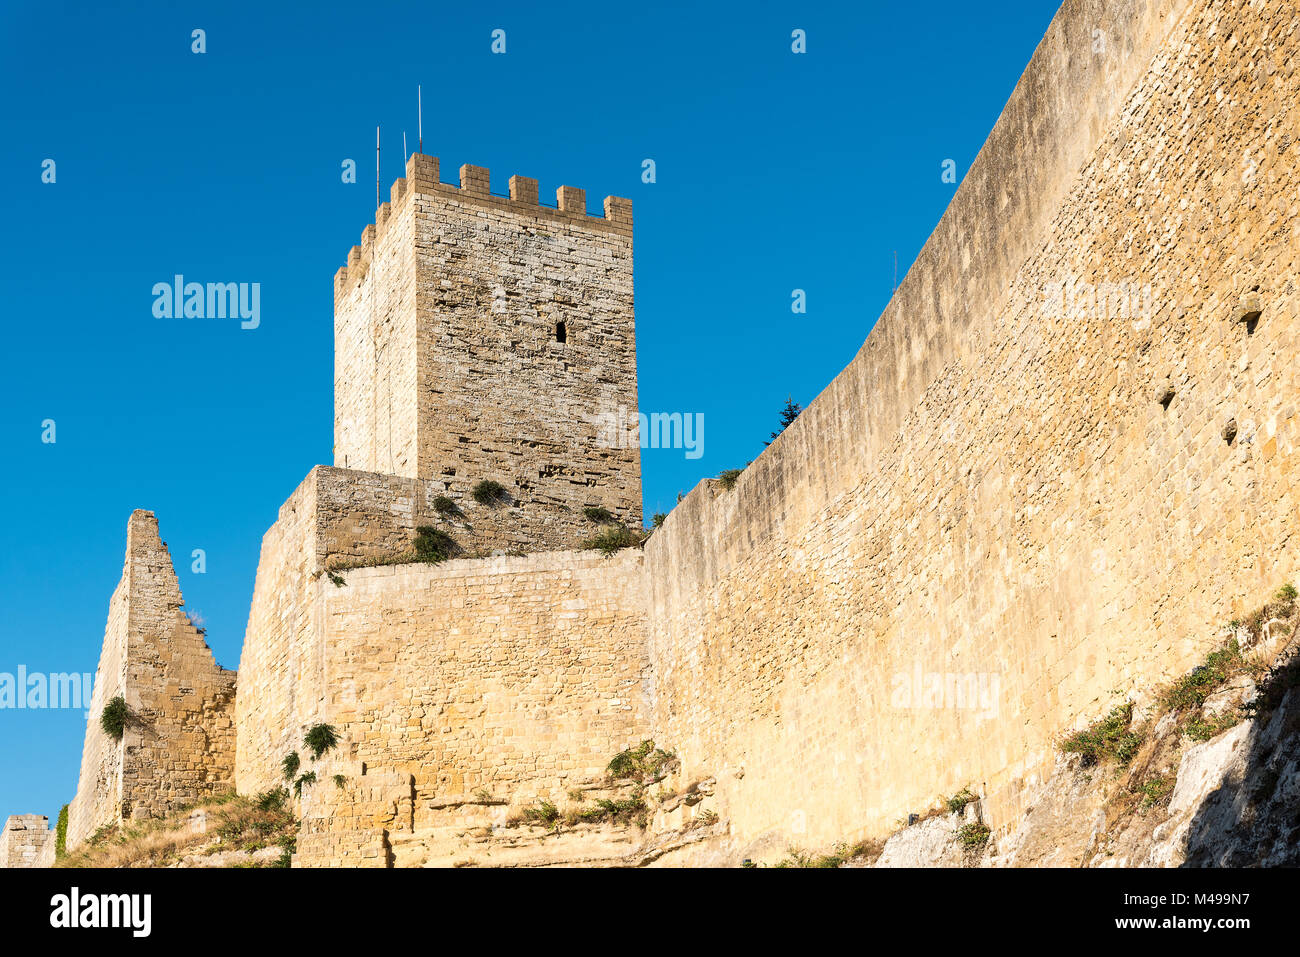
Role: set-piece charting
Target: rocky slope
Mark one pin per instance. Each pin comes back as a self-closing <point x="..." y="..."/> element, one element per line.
<point x="1211" y="777"/>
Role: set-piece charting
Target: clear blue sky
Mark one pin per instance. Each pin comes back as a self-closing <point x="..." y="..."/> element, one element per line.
<point x="775" y="171"/>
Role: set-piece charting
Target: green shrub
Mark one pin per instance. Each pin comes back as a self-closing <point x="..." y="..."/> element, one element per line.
<point x="838" y="855"/>
<point x="1191" y="690"/>
<point x="598" y="514"/>
<point x="643" y="761"/>
<point x="338" y="580"/>
<point x="629" y="810"/>
<point x="1200" y="729"/>
<point x="1155" y="790"/>
<point x="61" y="834"/>
<point x="340" y="780"/>
<point x="728" y="478"/>
<point x="114" y="717"/>
<point x="658" y="519"/>
<point x="319" y="739"/>
<point x="445" y="506"/>
<point x="1287" y="593"/>
<point x="288" y="846"/>
<point x="433" y="545"/>
<point x="959" y="800"/>
<point x="545" y="813"/>
<point x="272" y="800"/>
<point x="973" y="835"/>
<point x="488" y="492"/>
<point x="1108" y="738"/>
<point x="290" y="765"/>
<point x="308" y="778"/>
<point x="612" y="538"/>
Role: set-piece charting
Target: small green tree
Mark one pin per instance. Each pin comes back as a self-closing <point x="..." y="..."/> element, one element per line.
<point x="488" y="492"/>
<point x="319" y="739"/>
<point x="114" y="717"/>
<point x="788" y="415"/>
<point x="433" y="544"/>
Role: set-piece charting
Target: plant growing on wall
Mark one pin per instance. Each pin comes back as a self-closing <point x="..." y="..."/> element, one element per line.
<point x="488" y="492"/>
<point x="290" y="765"/>
<point x="61" y="834"/>
<point x="613" y="537"/>
<point x="728" y="478"/>
<point x="643" y="761"/>
<point x="598" y="514"/>
<point x="114" y="717"/>
<point x="433" y="545"/>
<point x="308" y="778"/>
<point x="272" y="800"/>
<point x="788" y="415"/>
<point x="443" y="505"/>
<point x="319" y="739"/>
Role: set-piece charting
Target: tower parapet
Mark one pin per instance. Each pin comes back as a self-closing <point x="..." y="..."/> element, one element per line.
<point x="422" y="176"/>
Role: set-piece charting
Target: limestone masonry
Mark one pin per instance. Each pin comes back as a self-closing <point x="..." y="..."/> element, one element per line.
<point x="1064" y="457"/>
<point x="178" y="743"/>
<point x="26" y="841"/>
<point x="479" y="337"/>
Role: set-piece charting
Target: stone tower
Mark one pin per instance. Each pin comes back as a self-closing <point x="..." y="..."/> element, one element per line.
<point x="480" y="337"/>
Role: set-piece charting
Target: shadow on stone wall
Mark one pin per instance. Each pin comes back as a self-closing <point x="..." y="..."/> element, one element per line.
<point x="1253" y="818"/>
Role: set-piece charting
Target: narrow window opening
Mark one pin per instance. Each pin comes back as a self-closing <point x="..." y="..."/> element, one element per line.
<point x="1250" y="310"/>
<point x="561" y="332"/>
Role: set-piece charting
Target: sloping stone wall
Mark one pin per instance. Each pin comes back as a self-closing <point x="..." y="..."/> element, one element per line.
<point x="179" y="741"/>
<point x="1057" y="466"/>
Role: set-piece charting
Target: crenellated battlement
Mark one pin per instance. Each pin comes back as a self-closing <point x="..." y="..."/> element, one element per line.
<point x="423" y="179"/>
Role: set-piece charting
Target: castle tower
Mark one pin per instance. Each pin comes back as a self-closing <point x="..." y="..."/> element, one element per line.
<point x="488" y="337"/>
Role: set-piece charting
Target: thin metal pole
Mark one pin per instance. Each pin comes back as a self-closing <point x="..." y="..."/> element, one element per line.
<point x="376" y="167"/>
<point x="419" y="109"/>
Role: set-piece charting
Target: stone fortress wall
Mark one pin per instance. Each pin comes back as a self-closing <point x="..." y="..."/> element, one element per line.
<point x="513" y="680"/>
<point x="301" y="666"/>
<point x="1031" y="509"/>
<point x="1016" y="504"/>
